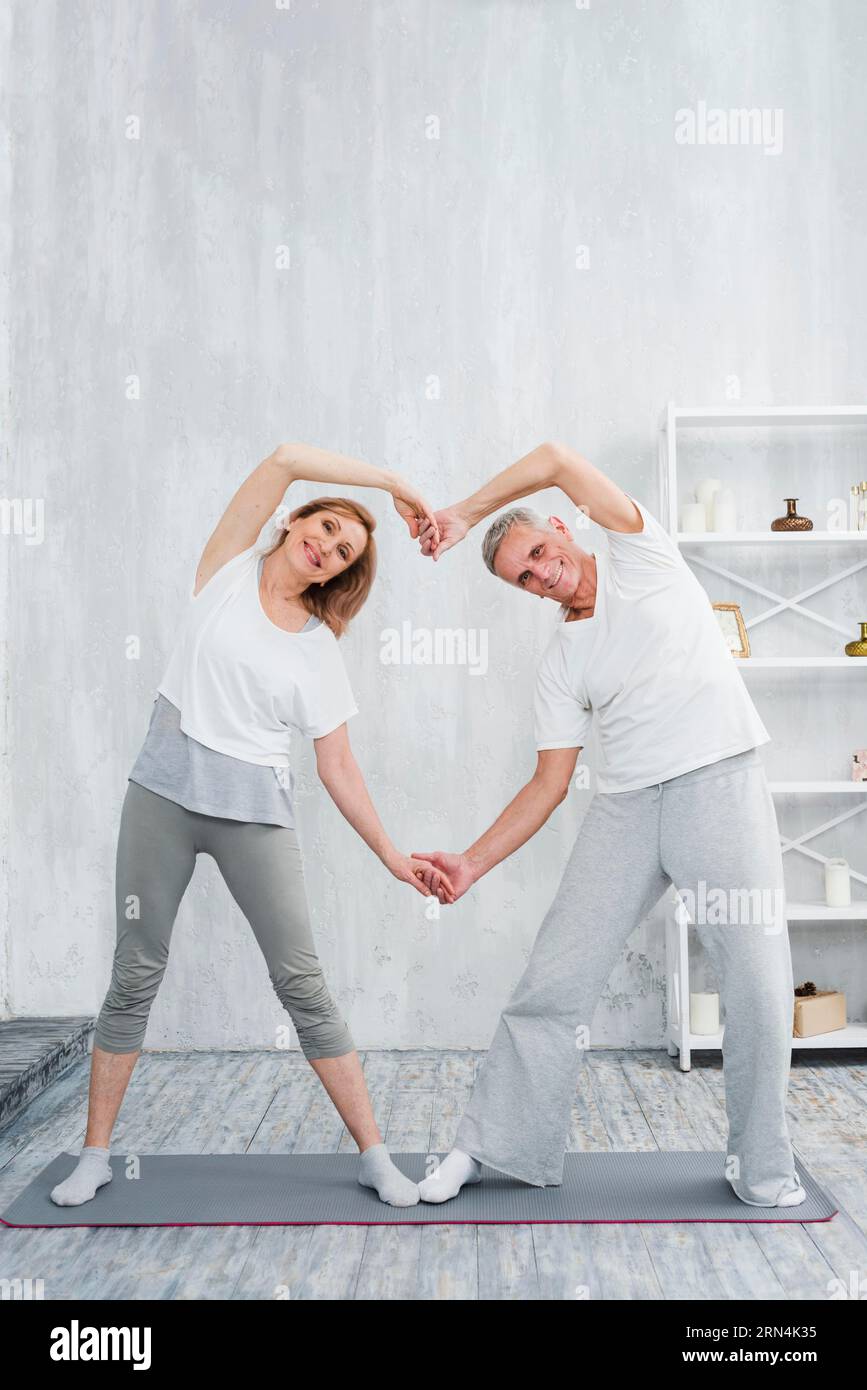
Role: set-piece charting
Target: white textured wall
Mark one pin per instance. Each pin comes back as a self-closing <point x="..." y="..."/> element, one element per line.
<point x="410" y="258"/>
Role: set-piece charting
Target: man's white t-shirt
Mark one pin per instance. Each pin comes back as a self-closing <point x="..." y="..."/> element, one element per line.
<point x="651" y="664"/>
<point x="242" y="684"/>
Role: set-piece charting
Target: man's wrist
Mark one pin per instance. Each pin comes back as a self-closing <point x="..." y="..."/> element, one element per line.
<point x="475" y="863"/>
<point x="468" y="512"/>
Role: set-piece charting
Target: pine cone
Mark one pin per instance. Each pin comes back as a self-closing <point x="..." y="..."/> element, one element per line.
<point x="807" y="988"/>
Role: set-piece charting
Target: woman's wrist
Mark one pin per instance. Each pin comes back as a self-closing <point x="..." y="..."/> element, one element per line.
<point x="389" y="857"/>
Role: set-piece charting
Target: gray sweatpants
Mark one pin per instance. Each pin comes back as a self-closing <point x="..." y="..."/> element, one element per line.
<point x="261" y="864"/>
<point x="713" y="834"/>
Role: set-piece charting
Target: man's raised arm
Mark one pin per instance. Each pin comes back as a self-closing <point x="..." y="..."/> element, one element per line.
<point x="548" y="465"/>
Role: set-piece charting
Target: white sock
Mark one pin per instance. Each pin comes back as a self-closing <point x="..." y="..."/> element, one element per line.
<point x="456" y="1169"/>
<point x="791" y="1199"/>
<point x="376" y="1170"/>
<point x="92" y="1172"/>
<point x="794" y="1199"/>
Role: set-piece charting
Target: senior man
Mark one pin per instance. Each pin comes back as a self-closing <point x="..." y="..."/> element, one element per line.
<point x="681" y="798"/>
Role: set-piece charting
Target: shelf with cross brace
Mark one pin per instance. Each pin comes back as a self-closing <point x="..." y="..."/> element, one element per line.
<point x="710" y="551"/>
<point x="794" y="603"/>
<point x="797" y="843"/>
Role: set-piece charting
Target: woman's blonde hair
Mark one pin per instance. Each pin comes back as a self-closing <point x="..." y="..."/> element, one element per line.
<point x="338" y="600"/>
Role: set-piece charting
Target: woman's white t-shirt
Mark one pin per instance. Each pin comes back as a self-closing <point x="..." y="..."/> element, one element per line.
<point x="241" y="683"/>
<point x="651" y="664"/>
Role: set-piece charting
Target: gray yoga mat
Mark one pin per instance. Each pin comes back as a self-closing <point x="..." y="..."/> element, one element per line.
<point x="322" y="1189"/>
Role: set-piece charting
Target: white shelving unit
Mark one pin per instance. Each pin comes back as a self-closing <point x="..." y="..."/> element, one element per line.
<point x="853" y="1035"/>
<point x="765" y="537"/>
<point x="785" y="663"/>
<point x="700" y="546"/>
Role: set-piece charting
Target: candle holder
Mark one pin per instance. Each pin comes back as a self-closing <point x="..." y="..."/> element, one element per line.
<point x="704" y="1014"/>
<point x="838" y="885"/>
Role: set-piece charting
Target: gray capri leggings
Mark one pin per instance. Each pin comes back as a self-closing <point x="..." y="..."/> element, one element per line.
<point x="261" y="864"/>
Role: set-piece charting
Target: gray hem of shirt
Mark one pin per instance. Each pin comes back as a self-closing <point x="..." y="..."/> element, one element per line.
<point x="189" y="803"/>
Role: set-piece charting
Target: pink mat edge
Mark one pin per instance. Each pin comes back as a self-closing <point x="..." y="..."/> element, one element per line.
<point x="459" y="1221"/>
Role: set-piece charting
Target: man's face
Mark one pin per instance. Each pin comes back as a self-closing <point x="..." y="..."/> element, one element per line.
<point x="544" y="562"/>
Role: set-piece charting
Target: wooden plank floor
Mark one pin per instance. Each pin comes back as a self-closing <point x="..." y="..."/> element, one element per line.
<point x="33" y="1052"/>
<point x="261" y="1102"/>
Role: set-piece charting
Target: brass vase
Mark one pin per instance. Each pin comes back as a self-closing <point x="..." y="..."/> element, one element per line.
<point x="791" y="521"/>
<point x="859" y="646"/>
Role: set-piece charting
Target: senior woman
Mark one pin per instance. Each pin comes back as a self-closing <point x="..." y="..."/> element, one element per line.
<point x="257" y="657"/>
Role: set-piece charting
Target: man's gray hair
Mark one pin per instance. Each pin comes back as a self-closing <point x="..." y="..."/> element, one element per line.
<point x="499" y="529"/>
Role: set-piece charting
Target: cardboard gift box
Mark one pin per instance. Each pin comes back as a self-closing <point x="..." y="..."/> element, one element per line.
<point x="822" y="1012"/>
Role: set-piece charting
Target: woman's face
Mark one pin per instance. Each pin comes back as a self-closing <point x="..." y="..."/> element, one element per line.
<point x="320" y="546"/>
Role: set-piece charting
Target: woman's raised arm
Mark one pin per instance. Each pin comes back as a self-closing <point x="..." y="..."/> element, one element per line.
<point x="261" y="492"/>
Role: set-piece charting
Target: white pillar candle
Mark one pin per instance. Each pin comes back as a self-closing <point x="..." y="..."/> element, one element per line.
<point x="704" y="1013"/>
<point x="704" y="493"/>
<point x="724" y="510"/>
<point x="693" y="517"/>
<point x="838" y="887"/>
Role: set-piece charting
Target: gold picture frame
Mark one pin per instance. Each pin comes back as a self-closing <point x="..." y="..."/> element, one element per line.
<point x="731" y="622"/>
